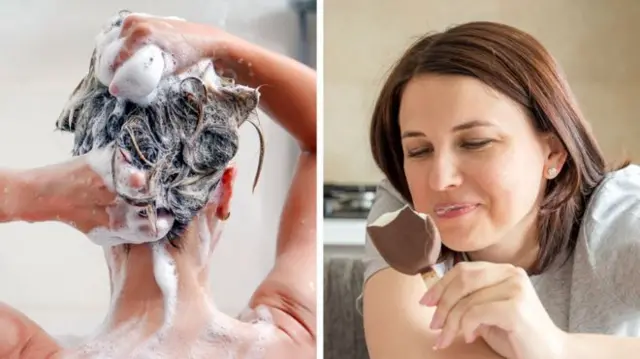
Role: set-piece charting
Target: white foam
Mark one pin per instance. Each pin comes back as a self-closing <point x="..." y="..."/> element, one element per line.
<point x="138" y="78"/>
<point x="107" y="48"/>
<point x="263" y="327"/>
<point x="164" y="271"/>
<point x="118" y="276"/>
<point x="125" y="223"/>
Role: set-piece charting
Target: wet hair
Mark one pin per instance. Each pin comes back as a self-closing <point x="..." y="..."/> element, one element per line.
<point x="184" y="139"/>
<point x="517" y="65"/>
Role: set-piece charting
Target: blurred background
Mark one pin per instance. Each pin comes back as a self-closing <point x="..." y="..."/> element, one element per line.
<point x="53" y="273"/>
<point x="594" y="41"/>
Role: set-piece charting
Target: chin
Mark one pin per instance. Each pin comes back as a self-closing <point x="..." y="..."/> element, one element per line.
<point x="465" y="240"/>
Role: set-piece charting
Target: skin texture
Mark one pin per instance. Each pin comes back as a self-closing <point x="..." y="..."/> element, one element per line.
<point x="288" y="291"/>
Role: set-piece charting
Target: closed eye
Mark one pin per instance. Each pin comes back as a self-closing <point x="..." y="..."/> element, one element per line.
<point x="476" y="145"/>
<point x="418" y="152"/>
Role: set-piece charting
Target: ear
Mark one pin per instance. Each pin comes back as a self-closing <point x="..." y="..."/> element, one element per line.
<point x="555" y="155"/>
<point x="226" y="190"/>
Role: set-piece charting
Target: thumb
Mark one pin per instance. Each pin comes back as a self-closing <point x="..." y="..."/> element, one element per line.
<point x="137" y="179"/>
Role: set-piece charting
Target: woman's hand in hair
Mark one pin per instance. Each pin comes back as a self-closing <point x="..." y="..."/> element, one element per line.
<point x="495" y="302"/>
<point x="186" y="42"/>
<point x="80" y="192"/>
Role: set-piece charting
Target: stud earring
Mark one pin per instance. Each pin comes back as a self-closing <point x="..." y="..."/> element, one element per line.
<point x="552" y="172"/>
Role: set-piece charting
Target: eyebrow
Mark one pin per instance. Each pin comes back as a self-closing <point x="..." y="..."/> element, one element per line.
<point x="461" y="127"/>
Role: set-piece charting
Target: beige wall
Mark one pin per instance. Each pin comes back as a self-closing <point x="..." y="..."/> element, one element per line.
<point x="595" y="42"/>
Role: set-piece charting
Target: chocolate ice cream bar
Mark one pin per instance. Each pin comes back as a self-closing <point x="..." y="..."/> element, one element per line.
<point x="408" y="241"/>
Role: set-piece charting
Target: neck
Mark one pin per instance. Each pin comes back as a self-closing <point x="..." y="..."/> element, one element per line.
<point x="519" y="247"/>
<point x="153" y="287"/>
<point x="160" y="285"/>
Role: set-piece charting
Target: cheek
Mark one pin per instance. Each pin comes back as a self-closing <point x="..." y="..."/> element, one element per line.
<point x="417" y="179"/>
<point x="511" y="186"/>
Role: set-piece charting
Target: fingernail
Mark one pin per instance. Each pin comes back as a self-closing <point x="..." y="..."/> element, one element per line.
<point x="438" y="344"/>
<point x="113" y="90"/>
<point x="435" y="322"/>
<point x="423" y="300"/>
<point x="444" y="340"/>
<point x="427" y="299"/>
<point x="468" y="338"/>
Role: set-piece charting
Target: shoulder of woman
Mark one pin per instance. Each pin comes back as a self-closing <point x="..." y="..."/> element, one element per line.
<point x="614" y="208"/>
<point x="609" y="242"/>
<point x="387" y="199"/>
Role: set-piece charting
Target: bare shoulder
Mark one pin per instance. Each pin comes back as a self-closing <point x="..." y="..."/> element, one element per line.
<point x="397" y="326"/>
<point x="274" y="333"/>
<point x="21" y="338"/>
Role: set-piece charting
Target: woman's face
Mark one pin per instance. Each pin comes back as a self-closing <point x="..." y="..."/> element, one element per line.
<point x="472" y="159"/>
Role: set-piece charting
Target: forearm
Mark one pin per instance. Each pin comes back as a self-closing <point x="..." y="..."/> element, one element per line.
<point x="288" y="96"/>
<point x="289" y="91"/>
<point x="30" y="195"/>
<point x="596" y="346"/>
<point x="290" y="287"/>
<point x="20" y="197"/>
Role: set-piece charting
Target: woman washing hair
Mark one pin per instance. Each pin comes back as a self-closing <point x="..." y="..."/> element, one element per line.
<point x="477" y="127"/>
<point x="191" y="191"/>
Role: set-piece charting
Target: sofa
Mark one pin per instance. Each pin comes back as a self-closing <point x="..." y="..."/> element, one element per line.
<point x="343" y="327"/>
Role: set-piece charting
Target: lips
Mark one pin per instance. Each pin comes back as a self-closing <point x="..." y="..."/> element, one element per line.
<point x="446" y="209"/>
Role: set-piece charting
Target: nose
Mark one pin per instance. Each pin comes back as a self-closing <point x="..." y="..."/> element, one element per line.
<point x="444" y="173"/>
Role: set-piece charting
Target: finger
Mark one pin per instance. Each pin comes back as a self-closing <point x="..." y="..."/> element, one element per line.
<point x="452" y="324"/>
<point x="137" y="179"/>
<point x="434" y="293"/>
<point x="136" y="35"/>
<point x="465" y="279"/>
<point x="485" y="315"/>
<point x="471" y="336"/>
<point x="134" y="177"/>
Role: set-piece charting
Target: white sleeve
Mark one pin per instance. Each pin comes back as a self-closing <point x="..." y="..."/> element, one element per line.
<point x="611" y="228"/>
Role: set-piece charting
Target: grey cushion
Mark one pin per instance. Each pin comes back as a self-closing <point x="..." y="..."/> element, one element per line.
<point x="343" y="329"/>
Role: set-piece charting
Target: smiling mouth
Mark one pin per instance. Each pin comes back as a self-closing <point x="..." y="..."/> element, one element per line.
<point x="454" y="209"/>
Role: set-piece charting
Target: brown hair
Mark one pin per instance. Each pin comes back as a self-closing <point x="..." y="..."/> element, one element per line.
<point x="516" y="64"/>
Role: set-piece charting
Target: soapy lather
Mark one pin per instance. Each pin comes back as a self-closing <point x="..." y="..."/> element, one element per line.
<point x="138" y="78"/>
